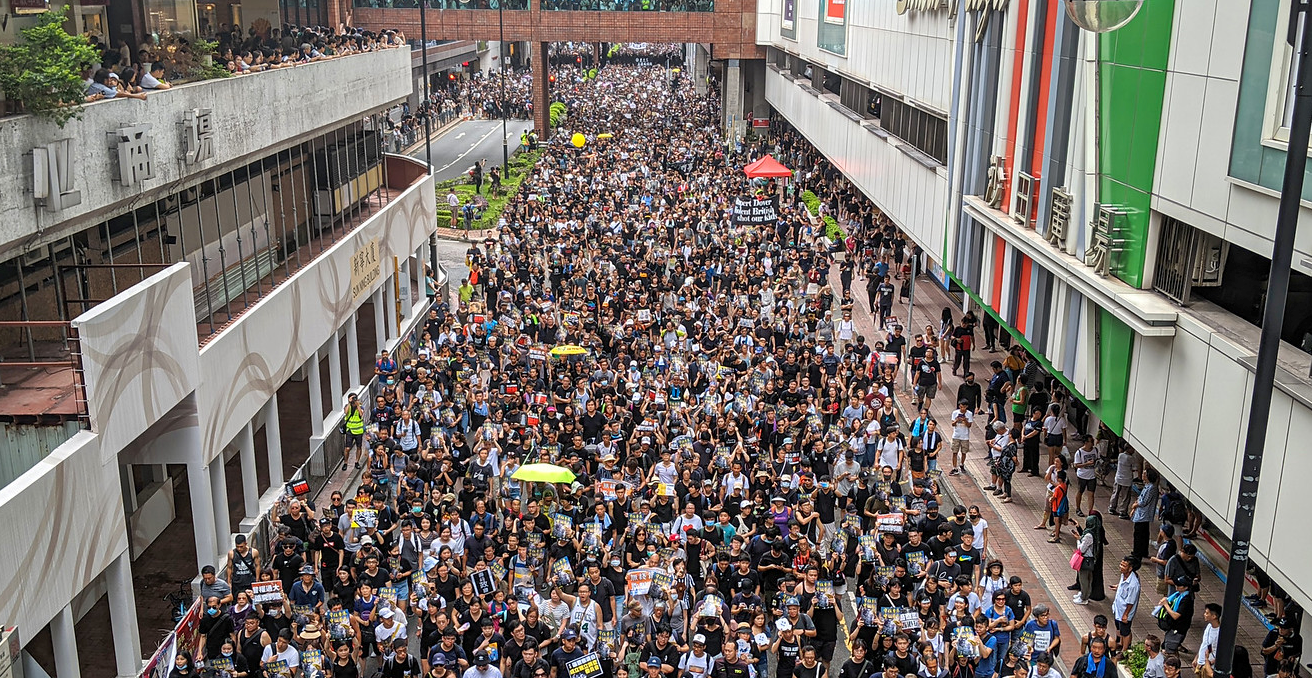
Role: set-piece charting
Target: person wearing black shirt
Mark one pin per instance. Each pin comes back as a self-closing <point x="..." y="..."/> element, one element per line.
<point x="787" y="649"/>
<point x="902" y="656"/>
<point x="529" y="665"/>
<point x="401" y="665"/>
<point x="931" y="522"/>
<point x="1018" y="600"/>
<point x="969" y="557"/>
<point x="857" y="666"/>
<point x="744" y="579"/>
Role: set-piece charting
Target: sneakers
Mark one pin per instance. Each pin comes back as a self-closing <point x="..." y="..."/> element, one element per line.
<point x="1079" y="601"/>
<point x="955" y="472"/>
<point x="989" y="488"/>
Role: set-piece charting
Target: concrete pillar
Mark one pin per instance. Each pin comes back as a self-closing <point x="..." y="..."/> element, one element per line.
<point x="219" y="493"/>
<point x="64" y="640"/>
<point x="273" y="440"/>
<point x="334" y="372"/>
<point x="541" y="90"/>
<point x="353" y="376"/>
<point x="700" y="64"/>
<point x="731" y="96"/>
<point x="315" y="385"/>
<point x="380" y="318"/>
<point x="250" y="482"/>
<point x="389" y="305"/>
<point x="123" y="616"/>
<point x="405" y="290"/>
<point x="202" y="512"/>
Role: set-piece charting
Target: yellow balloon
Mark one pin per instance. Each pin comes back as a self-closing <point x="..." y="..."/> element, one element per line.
<point x="578" y="140"/>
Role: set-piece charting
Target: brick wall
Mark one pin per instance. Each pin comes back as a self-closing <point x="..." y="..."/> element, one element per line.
<point x="730" y="29"/>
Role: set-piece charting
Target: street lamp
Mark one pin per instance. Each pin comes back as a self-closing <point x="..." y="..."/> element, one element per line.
<point x="1102" y="16"/>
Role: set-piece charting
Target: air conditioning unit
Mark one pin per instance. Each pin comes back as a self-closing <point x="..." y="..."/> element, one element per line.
<point x="1209" y="257"/>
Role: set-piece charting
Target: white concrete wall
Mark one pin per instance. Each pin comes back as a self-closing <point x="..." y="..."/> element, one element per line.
<point x="1187" y="413"/>
<point x="1192" y="181"/>
<point x="908" y="54"/>
<point x="912" y="195"/>
<point x="251" y="114"/>
<point x="243" y="366"/>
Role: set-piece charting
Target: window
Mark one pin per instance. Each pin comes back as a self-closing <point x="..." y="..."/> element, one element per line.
<point x="833" y="83"/>
<point x="856" y="97"/>
<point x="920" y="128"/>
<point x="1187" y="259"/>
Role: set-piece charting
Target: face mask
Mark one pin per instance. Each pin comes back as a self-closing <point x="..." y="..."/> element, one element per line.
<point x="615" y="563"/>
<point x="213" y="611"/>
<point x="227" y="654"/>
<point x="416" y="509"/>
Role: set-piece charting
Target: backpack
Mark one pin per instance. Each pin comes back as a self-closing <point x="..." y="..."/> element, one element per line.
<point x="1175" y="510"/>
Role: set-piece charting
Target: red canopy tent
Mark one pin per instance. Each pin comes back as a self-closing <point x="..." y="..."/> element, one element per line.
<point x="765" y="168"/>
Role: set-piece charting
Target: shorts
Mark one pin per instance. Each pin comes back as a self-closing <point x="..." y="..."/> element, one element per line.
<point x="824" y="650"/>
<point x="930" y="391"/>
<point x="960" y="447"/>
<point x="1089" y="484"/>
<point x="1053" y="439"/>
<point x="1123" y="628"/>
<point x="354" y="440"/>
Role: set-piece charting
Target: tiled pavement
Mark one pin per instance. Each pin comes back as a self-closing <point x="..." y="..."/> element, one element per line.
<point x="1024" y="550"/>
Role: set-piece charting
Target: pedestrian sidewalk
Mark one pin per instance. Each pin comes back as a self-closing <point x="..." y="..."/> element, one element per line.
<point x="1023" y="550"/>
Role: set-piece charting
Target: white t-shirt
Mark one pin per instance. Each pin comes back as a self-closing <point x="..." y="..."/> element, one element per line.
<point x="290" y="656"/>
<point x="1207" y="646"/>
<point x="979" y="531"/>
<point x="697" y="666"/>
<point x="1083" y="456"/>
<point x="1054" y="425"/>
<point x="961" y="422"/>
<point x="888" y="450"/>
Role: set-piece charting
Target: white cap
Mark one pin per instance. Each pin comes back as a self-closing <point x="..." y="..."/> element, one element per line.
<point x="386" y="613"/>
<point x="699" y="638"/>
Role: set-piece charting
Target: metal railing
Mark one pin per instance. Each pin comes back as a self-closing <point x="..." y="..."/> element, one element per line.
<point x="72" y="347"/>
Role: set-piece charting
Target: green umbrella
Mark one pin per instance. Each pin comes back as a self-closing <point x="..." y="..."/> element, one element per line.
<point x="543" y="473"/>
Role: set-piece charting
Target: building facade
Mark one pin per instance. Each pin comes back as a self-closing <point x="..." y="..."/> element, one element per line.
<point x="168" y="266"/>
<point x="1109" y="198"/>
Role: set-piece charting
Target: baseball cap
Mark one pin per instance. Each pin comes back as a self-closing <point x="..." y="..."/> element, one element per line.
<point x="438" y="659"/>
<point x="569" y="634"/>
<point x="699" y="638"/>
<point x="792" y="601"/>
<point x="386" y="613"/>
<point x="307" y="569"/>
<point x="654" y="661"/>
<point x="366" y="540"/>
<point x="481" y="659"/>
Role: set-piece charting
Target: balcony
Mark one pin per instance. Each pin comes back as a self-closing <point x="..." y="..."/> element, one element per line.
<point x="124" y="152"/>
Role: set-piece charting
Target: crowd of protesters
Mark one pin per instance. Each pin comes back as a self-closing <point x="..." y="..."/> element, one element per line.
<point x="748" y="495"/>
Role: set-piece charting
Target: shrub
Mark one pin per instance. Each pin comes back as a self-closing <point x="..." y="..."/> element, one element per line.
<point x="44" y="71"/>
<point x="1135" y="660"/>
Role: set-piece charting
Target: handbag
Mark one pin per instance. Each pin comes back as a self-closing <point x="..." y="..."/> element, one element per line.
<point x="1077" y="560"/>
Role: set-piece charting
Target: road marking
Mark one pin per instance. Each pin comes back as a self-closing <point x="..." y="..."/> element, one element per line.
<point x="460" y="135"/>
<point x="471" y="148"/>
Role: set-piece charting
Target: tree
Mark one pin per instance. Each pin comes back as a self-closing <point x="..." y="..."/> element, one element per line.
<point x="44" y="71"/>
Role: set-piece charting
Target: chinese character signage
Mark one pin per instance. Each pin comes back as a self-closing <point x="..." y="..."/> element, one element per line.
<point x="1060" y="218"/>
<point x="52" y="174"/>
<point x="133" y="144"/>
<point x="198" y="137"/>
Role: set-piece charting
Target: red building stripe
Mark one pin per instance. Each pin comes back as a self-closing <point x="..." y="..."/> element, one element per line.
<point x="1013" y="113"/>
<point x="1045" y="76"/>
<point x="1023" y="293"/>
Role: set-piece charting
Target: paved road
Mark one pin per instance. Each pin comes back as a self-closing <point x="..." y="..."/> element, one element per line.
<point x="470" y="141"/>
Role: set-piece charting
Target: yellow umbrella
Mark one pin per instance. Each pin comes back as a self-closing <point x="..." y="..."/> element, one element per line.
<point x="543" y="473"/>
<point x="569" y="349"/>
<point x="578" y="140"/>
<point x="605" y="135"/>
